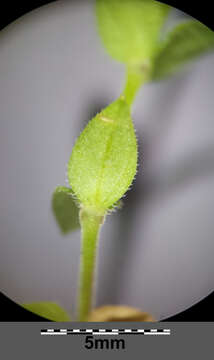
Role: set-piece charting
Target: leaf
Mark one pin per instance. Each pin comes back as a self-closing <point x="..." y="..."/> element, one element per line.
<point x="104" y="159"/>
<point x="183" y="44"/>
<point x="48" y="310"/>
<point x="116" y="206"/>
<point x="130" y="29"/>
<point x="65" y="209"/>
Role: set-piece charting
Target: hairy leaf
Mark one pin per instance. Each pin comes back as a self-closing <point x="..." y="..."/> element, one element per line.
<point x="48" y="310"/>
<point x="65" y="209"/>
<point x="130" y="28"/>
<point x="104" y="159"/>
<point x="184" y="43"/>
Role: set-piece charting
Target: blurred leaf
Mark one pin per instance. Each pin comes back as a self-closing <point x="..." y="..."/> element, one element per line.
<point x="65" y="209"/>
<point x="118" y="313"/>
<point x="130" y="28"/>
<point x="183" y="44"/>
<point x="48" y="310"/>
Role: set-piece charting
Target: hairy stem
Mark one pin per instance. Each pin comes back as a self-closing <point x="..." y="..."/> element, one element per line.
<point x="135" y="77"/>
<point x="90" y="226"/>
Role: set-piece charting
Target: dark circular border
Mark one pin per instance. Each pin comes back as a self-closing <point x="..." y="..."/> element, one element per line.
<point x="9" y="12"/>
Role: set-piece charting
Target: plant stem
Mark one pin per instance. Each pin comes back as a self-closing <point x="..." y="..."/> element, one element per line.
<point x="135" y="77"/>
<point x="90" y="226"/>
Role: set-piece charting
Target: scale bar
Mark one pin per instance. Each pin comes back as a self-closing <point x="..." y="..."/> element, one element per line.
<point x="110" y="332"/>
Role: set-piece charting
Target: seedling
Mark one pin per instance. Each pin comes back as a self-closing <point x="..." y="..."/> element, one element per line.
<point x="103" y="161"/>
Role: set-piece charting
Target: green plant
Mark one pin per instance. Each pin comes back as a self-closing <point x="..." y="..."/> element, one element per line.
<point x="103" y="161"/>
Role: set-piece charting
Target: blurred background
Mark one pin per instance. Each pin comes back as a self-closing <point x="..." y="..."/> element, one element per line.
<point x="156" y="253"/>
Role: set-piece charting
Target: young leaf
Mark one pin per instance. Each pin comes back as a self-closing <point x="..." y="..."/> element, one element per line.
<point x="65" y="209"/>
<point x="130" y="28"/>
<point x="104" y="159"/>
<point x="48" y="310"/>
<point x="184" y="43"/>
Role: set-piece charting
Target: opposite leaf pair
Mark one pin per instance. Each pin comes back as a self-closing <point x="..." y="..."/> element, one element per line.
<point x="131" y="32"/>
<point x="102" y="166"/>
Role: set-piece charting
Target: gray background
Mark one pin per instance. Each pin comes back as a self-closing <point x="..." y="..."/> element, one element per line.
<point x="187" y="340"/>
<point x="157" y="252"/>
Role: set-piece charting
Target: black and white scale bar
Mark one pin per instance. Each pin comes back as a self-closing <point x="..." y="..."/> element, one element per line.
<point x="105" y="332"/>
